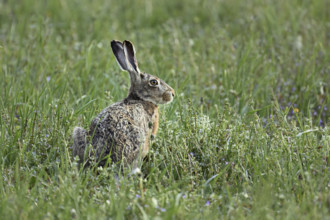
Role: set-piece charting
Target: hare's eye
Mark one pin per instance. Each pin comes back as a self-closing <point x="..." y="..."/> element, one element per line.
<point x="153" y="82"/>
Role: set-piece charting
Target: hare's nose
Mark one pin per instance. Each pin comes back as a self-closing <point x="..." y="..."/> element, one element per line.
<point x="173" y="94"/>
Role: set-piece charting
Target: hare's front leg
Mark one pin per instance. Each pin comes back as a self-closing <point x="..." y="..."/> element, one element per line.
<point x="155" y="124"/>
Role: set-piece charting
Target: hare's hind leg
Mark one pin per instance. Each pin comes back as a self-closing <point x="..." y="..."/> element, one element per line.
<point x="79" y="143"/>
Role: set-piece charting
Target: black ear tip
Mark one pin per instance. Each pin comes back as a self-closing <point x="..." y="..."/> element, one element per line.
<point x="114" y="43"/>
<point x="128" y="43"/>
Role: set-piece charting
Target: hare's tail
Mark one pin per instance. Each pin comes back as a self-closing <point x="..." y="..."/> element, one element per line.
<point x="79" y="143"/>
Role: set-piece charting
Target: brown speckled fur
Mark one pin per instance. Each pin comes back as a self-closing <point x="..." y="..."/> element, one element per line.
<point x="122" y="131"/>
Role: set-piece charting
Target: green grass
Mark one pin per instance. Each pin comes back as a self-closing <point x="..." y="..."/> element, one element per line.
<point x="230" y="145"/>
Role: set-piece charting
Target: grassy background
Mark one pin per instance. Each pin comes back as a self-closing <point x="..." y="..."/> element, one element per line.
<point x="247" y="135"/>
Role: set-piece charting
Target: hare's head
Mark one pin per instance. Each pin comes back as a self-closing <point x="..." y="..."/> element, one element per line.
<point x="144" y="86"/>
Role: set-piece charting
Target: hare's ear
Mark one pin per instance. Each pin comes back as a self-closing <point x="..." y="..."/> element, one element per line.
<point x="130" y="55"/>
<point x="118" y="51"/>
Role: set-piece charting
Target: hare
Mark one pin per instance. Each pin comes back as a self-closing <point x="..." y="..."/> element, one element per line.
<point x="121" y="132"/>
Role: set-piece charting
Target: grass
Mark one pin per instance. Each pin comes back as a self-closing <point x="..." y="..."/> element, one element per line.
<point x="247" y="136"/>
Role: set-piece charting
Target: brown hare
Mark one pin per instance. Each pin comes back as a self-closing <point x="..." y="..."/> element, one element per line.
<point x="121" y="132"/>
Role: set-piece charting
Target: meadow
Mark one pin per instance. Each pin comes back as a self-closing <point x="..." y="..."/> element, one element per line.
<point x="246" y="137"/>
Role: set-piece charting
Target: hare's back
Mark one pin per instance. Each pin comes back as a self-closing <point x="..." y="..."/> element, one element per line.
<point x="120" y="130"/>
<point x="121" y="115"/>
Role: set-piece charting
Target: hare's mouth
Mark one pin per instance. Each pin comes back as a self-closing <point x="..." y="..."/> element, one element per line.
<point x="168" y="97"/>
